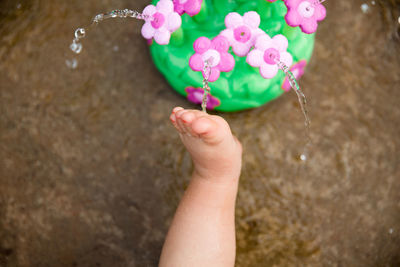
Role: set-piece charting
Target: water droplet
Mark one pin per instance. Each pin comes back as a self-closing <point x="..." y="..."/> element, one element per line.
<point x="80" y="33"/>
<point x="116" y="48"/>
<point x="76" y="47"/>
<point x="303" y="157"/>
<point x="72" y="64"/>
<point x="364" y="8"/>
<point x="398" y="20"/>
<point x="373" y="3"/>
<point x="98" y="18"/>
<point x="18" y="6"/>
<point x="391" y="231"/>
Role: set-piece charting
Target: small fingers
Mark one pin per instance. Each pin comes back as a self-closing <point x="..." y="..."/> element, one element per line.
<point x="172" y="118"/>
<point x="187" y="119"/>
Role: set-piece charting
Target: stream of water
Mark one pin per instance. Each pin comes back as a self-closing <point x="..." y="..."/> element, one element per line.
<point x="303" y="105"/>
<point x="80" y="33"/>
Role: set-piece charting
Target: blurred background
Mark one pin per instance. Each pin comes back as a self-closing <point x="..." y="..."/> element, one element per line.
<point x="91" y="170"/>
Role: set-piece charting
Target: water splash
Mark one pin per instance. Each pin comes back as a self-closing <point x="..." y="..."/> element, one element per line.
<point x="206" y="87"/>
<point x="303" y="104"/>
<point x="80" y="33"/>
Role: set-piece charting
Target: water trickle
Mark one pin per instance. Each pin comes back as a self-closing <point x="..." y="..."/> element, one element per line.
<point x="314" y="4"/>
<point x="80" y="33"/>
<point x="303" y="104"/>
<point x="72" y="64"/>
<point x="206" y="87"/>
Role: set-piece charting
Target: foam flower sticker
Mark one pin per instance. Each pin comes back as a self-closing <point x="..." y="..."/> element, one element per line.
<point x="195" y="95"/>
<point x="242" y="31"/>
<point x="191" y="7"/>
<point x="214" y="52"/>
<point x="305" y="13"/>
<point x="297" y="70"/>
<point x="161" y="21"/>
<point x="267" y="53"/>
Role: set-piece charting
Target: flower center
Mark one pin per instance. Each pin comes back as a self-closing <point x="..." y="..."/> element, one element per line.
<point x="158" y="20"/>
<point x="212" y="56"/>
<point x="199" y="96"/>
<point x="306" y="9"/>
<point x="271" y="56"/>
<point x="242" y="34"/>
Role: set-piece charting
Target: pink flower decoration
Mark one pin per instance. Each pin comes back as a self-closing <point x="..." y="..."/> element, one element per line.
<point x="267" y="53"/>
<point x="305" y="13"/>
<point x="242" y="31"/>
<point x="215" y="52"/>
<point x="298" y="71"/>
<point x="191" y="7"/>
<point x="161" y="21"/>
<point x="195" y="95"/>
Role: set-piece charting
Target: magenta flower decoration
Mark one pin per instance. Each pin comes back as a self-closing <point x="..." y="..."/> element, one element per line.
<point x="298" y="71"/>
<point x="304" y="13"/>
<point x="242" y="31"/>
<point x="190" y="7"/>
<point x="161" y="21"/>
<point x="267" y="53"/>
<point x="214" y="52"/>
<point x="195" y="95"/>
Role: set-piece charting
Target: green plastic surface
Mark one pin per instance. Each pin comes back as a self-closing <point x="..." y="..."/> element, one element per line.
<point x="243" y="87"/>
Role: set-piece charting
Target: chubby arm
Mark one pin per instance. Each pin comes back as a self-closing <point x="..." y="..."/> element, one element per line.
<point x="202" y="232"/>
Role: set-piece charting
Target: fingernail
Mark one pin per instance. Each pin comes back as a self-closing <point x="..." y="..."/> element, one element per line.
<point x="176" y="109"/>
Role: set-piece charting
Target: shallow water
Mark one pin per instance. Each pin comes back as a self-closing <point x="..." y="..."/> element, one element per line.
<point x="91" y="171"/>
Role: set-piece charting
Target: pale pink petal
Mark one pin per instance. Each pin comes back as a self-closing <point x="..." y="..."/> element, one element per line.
<point x="162" y="37"/>
<point x="255" y="33"/>
<point x="174" y="21"/>
<point x="320" y="12"/>
<point x="252" y="19"/>
<point x="148" y="30"/>
<point x="268" y="71"/>
<point x="227" y="62"/>
<point x="280" y="42"/>
<point x="286" y="58"/>
<point x="309" y="26"/>
<point x="233" y="20"/>
<point x="263" y="42"/>
<point x="228" y="34"/>
<point x="214" y="75"/>
<point x="196" y="62"/>
<point x="241" y="49"/>
<point x="293" y="18"/>
<point x="165" y="6"/>
<point x="149" y="10"/>
<point x="293" y="3"/>
<point x="255" y="58"/>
